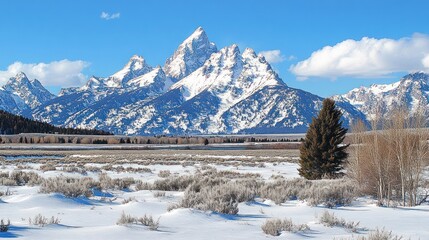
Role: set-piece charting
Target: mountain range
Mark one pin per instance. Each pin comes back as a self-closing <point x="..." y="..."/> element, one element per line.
<point x="200" y="90"/>
<point x="410" y="92"/>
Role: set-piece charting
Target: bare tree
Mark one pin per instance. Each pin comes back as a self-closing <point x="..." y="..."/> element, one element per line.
<point x="389" y="160"/>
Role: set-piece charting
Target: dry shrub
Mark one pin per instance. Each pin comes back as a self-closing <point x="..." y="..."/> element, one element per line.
<point x="92" y="169"/>
<point x="378" y="234"/>
<point x="159" y="194"/>
<point x="146" y="220"/>
<point x="128" y="200"/>
<point x="42" y="221"/>
<point x="74" y="169"/>
<point x="330" y="193"/>
<point x="48" y="167"/>
<point x="7" y="182"/>
<point x="179" y="183"/>
<point x="126" y="219"/>
<point x="274" y="227"/>
<point x="330" y="220"/>
<point x="164" y="173"/>
<point x="107" y="182"/>
<point x="222" y="191"/>
<point x="218" y="195"/>
<point x="69" y="187"/>
<point x="381" y="234"/>
<point x="140" y="185"/>
<point x="20" y="178"/>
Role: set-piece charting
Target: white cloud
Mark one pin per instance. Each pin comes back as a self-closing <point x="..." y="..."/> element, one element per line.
<point x="62" y="73"/>
<point x="291" y="58"/>
<point x="108" y="16"/>
<point x="368" y="57"/>
<point x="273" y="56"/>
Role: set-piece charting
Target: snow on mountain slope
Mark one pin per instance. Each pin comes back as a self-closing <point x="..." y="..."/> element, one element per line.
<point x="85" y="105"/>
<point x="59" y="109"/>
<point x="227" y="78"/>
<point x="156" y="77"/>
<point x="30" y="91"/>
<point x="411" y="92"/>
<point x="73" y="100"/>
<point x="10" y="104"/>
<point x="227" y="71"/>
<point x="230" y="93"/>
<point x="136" y="67"/>
<point x="199" y="91"/>
<point x="20" y="94"/>
<point x="108" y="113"/>
<point x="190" y="55"/>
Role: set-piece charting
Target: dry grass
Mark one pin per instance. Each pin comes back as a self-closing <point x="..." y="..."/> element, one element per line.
<point x="146" y="220"/>
<point x="128" y="200"/>
<point x="69" y="187"/>
<point x="19" y="178"/>
<point x="159" y="194"/>
<point x="42" y="221"/>
<point x="330" y="220"/>
<point x="163" y="157"/>
<point x="274" y="227"/>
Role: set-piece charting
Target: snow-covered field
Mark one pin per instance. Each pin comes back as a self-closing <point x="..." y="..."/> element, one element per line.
<point x="96" y="217"/>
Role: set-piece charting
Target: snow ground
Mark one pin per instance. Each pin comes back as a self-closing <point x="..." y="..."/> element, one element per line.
<point x="96" y="217"/>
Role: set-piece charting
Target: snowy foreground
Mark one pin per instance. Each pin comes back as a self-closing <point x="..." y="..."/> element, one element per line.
<point x="96" y="217"/>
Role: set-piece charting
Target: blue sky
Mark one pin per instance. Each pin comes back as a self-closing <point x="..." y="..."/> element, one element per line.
<point x="73" y="39"/>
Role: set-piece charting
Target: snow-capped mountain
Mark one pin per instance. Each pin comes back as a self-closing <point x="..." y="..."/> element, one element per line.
<point x="199" y="91"/>
<point x="411" y="92"/>
<point x="10" y="103"/>
<point x="232" y="92"/>
<point x="190" y="55"/>
<point x="136" y="74"/>
<point x="20" y="94"/>
<point x="72" y="100"/>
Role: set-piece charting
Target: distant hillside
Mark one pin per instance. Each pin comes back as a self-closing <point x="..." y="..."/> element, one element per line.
<point x="14" y="124"/>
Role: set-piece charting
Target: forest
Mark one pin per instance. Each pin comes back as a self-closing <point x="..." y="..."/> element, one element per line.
<point x="14" y="124"/>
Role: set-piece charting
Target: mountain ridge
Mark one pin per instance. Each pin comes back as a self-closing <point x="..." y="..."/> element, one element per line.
<point x="410" y="92"/>
<point x="199" y="90"/>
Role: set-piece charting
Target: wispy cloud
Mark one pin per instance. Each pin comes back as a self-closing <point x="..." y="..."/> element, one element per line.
<point x="368" y="57"/>
<point x="64" y="73"/>
<point x="108" y="16"/>
<point x="273" y="56"/>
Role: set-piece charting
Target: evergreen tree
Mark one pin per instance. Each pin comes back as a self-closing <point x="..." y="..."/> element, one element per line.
<point x="14" y="124"/>
<point x="322" y="152"/>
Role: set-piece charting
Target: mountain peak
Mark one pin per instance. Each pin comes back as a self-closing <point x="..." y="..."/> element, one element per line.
<point x="19" y="79"/>
<point x="417" y="76"/>
<point x="199" y="33"/>
<point x="20" y="75"/>
<point x="30" y="92"/>
<point x="190" y="55"/>
<point x="135" y="67"/>
<point x="234" y="48"/>
<point x="136" y="58"/>
<point x="249" y="52"/>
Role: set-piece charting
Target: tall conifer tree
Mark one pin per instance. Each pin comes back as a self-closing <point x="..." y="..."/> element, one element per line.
<point x="322" y="152"/>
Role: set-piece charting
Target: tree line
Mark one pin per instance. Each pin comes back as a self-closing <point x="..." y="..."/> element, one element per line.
<point x="14" y="124"/>
<point x="116" y="139"/>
